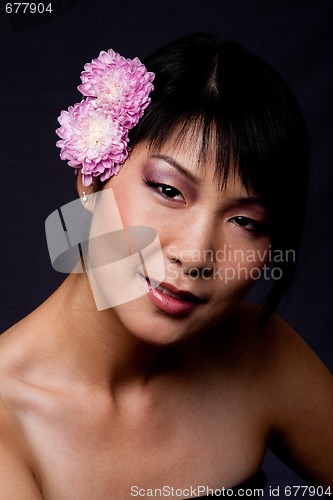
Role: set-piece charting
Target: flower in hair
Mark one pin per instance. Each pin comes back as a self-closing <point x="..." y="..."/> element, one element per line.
<point x="94" y="133"/>
<point x="93" y="140"/>
<point x="119" y="85"/>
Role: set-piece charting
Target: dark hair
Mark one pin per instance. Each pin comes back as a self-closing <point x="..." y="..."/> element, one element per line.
<point x="221" y="91"/>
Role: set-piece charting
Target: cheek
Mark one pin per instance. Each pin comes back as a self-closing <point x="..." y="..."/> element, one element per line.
<point x="130" y="208"/>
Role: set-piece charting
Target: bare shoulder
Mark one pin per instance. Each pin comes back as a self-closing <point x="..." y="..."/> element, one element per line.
<point x="293" y="363"/>
<point x="277" y="345"/>
<point x="17" y="478"/>
<point x="299" y="389"/>
<point x="278" y="353"/>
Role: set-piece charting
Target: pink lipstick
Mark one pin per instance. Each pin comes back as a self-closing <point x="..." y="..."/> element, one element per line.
<point x="170" y="299"/>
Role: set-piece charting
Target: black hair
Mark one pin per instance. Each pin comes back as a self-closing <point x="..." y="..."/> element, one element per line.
<point x="223" y="92"/>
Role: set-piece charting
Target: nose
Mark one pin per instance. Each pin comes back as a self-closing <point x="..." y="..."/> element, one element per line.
<point x="193" y="248"/>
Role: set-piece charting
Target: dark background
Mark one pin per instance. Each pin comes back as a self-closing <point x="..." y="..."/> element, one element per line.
<point x="41" y="60"/>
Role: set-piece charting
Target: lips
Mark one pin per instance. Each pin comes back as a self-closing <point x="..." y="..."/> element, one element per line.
<point x="170" y="299"/>
<point x="174" y="292"/>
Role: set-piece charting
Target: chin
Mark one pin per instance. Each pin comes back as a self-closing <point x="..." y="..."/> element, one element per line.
<point x="159" y="332"/>
<point x="152" y="326"/>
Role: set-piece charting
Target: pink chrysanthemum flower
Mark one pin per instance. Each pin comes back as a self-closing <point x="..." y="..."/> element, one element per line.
<point x="90" y="138"/>
<point x="119" y="85"/>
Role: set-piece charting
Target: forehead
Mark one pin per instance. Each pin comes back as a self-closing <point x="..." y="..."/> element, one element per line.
<point x="190" y="140"/>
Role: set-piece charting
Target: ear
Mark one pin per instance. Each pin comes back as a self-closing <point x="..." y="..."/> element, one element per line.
<point x="80" y="187"/>
<point x="84" y="192"/>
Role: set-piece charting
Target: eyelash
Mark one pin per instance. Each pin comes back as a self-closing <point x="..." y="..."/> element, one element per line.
<point x="257" y="226"/>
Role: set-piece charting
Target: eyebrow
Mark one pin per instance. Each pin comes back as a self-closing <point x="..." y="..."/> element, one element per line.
<point x="178" y="167"/>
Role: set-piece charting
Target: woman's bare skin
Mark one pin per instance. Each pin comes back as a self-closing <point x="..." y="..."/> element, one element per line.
<point x="80" y="420"/>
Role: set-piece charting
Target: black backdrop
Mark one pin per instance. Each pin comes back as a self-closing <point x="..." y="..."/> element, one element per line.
<point x="40" y="66"/>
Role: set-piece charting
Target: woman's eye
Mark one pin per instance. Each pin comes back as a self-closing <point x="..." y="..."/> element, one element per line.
<point x="165" y="190"/>
<point x="247" y="223"/>
<point x="168" y="191"/>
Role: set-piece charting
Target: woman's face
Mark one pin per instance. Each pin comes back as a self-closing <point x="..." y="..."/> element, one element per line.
<point x="214" y="242"/>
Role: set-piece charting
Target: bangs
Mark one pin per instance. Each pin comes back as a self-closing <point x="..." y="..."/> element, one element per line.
<point x="236" y="147"/>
